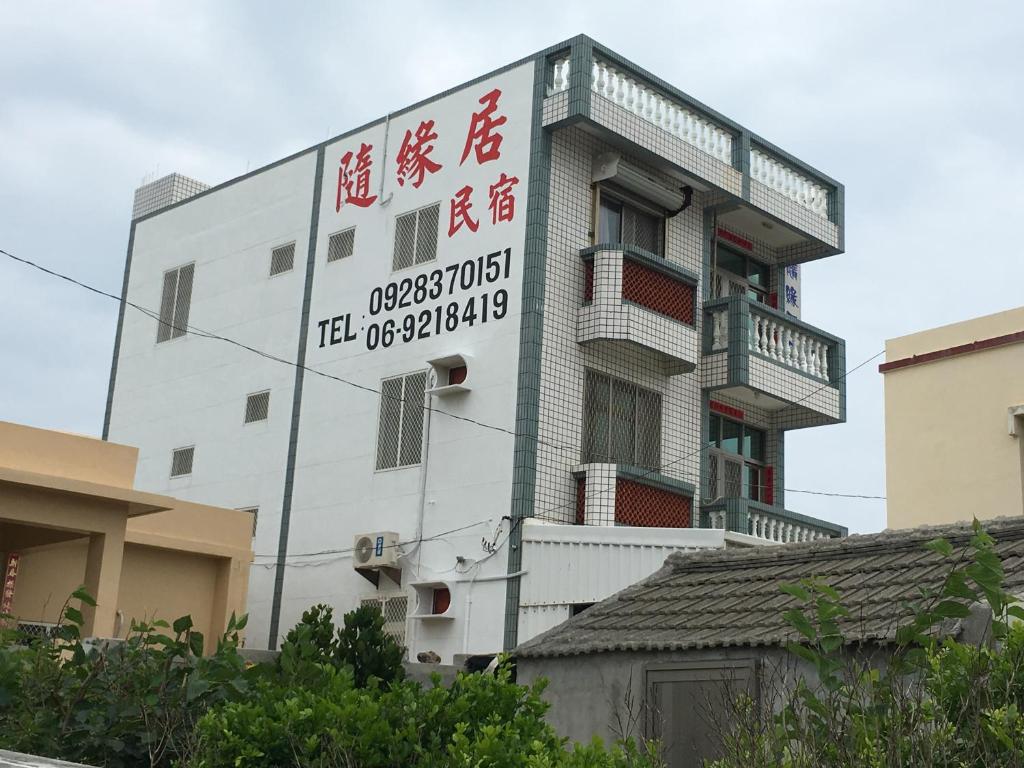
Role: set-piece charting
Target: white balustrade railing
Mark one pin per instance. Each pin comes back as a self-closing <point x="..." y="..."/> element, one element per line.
<point x="645" y="102"/>
<point x="716" y="519"/>
<point x="560" y="81"/>
<point x="719" y="329"/>
<point x="788" y="344"/>
<point x="772" y="528"/>
<point x="775" y="174"/>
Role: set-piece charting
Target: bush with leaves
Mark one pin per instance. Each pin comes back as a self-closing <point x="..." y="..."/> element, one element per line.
<point x="360" y="644"/>
<point x="134" y="704"/>
<point x="481" y="720"/>
<point x="936" y="701"/>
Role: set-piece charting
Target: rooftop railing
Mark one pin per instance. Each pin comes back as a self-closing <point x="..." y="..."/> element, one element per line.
<point x="699" y="130"/>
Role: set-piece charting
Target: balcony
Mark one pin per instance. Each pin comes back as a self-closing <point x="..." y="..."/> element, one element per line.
<point x="770" y="360"/>
<point x="768" y="523"/>
<point x="793" y="208"/>
<point x="636" y="298"/>
<point x="624" y="495"/>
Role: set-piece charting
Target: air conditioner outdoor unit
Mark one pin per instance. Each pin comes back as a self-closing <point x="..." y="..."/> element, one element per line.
<point x="610" y="166"/>
<point x="376" y="553"/>
<point x="375" y="550"/>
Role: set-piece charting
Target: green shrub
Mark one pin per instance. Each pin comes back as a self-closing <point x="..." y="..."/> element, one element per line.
<point x="937" y="702"/>
<point x="481" y="720"/>
<point x="361" y="644"/>
<point x="134" y="704"/>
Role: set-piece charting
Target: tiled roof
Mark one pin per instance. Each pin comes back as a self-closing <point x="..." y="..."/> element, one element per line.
<point x="731" y="597"/>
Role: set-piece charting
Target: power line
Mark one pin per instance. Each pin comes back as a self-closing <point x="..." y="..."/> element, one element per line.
<point x="839" y="495"/>
<point x="703" y="448"/>
<point x="217" y="337"/>
<point x="210" y="335"/>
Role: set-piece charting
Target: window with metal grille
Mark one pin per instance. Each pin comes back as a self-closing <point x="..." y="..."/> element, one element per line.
<point x="255" y="512"/>
<point x="341" y="245"/>
<point x="400" y="426"/>
<point x="416" y="237"/>
<point x="736" y="461"/>
<point x="257" y="406"/>
<point x="394" y="609"/>
<point x="175" y="301"/>
<point x="181" y="461"/>
<point x="621" y="422"/>
<point x="282" y="259"/>
<point x="630" y="223"/>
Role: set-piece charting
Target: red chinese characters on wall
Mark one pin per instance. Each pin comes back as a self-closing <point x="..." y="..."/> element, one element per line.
<point x="503" y="202"/>
<point x="354" y="181"/>
<point x="459" y="215"/>
<point x="413" y="159"/>
<point x="414" y="163"/>
<point x="482" y="137"/>
<point x="10" y="579"/>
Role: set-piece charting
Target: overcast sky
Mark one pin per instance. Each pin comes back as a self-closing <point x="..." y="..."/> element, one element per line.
<point x="915" y="106"/>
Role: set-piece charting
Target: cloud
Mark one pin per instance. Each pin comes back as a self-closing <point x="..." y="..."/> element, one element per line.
<point x="913" y="106"/>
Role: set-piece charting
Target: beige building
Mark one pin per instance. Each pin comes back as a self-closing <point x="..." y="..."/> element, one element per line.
<point x="954" y="421"/>
<point x="69" y="516"/>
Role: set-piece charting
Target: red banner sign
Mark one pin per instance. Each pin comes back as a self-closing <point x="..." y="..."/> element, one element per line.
<point x="10" y="579"/>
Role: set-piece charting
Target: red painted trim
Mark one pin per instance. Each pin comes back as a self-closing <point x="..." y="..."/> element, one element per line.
<point x="962" y="349"/>
<point x="742" y="242"/>
<point x="725" y="410"/>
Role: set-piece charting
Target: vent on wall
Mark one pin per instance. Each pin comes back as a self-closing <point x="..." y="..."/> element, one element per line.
<point x="341" y="245"/>
<point x="416" y="237"/>
<point x="181" y="461"/>
<point x="257" y="406"/>
<point x="282" y="259"/>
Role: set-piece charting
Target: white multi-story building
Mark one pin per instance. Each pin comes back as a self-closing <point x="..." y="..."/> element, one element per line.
<point x="487" y="359"/>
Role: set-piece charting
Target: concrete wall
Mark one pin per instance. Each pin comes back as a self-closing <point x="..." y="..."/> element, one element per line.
<point x="191" y="391"/>
<point x="75" y="457"/>
<point x="949" y="452"/>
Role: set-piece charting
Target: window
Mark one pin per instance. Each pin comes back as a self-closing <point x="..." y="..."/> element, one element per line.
<point x="282" y="259"/>
<point x="181" y="461"/>
<point x="738" y="274"/>
<point x="621" y="221"/>
<point x="175" y="302"/>
<point x="400" y="427"/>
<point x="416" y="237"/>
<point x="257" y="406"/>
<point x="394" y="609"/>
<point x="341" y="245"/>
<point x="736" y="467"/>
<point x="621" y="422"/>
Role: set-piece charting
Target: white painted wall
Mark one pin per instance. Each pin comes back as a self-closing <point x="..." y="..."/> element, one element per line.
<point x="191" y="390"/>
<point x="338" y="494"/>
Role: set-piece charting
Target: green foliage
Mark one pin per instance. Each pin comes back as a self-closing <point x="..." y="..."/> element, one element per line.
<point x="481" y="720"/>
<point x="361" y="644"/>
<point x="133" y="704"/>
<point x="335" y="697"/>
<point x="936" y="701"/>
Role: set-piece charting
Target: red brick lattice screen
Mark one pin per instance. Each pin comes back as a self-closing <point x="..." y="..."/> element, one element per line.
<point x="588" y="280"/>
<point x="640" y="505"/>
<point x="657" y="291"/>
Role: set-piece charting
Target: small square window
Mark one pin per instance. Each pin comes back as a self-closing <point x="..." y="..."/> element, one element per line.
<point x="257" y="406"/>
<point x="282" y="259"/>
<point x="341" y="245"/>
<point x="181" y="461"/>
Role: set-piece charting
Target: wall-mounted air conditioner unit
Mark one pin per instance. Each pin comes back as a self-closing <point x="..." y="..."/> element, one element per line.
<point x="610" y="166"/>
<point x="373" y="553"/>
